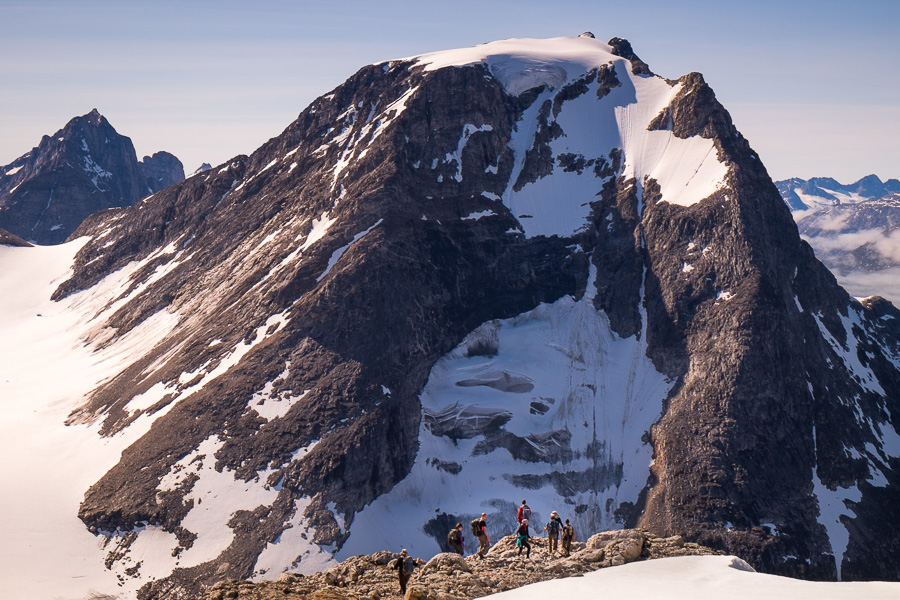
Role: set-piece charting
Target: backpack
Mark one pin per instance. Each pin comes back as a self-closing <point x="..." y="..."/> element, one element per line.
<point x="476" y="527"/>
<point x="526" y="512"/>
<point x="568" y="532"/>
<point x="553" y="526"/>
<point x="452" y="539"/>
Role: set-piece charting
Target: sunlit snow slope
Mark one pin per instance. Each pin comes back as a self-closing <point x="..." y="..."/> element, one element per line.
<point x="46" y="370"/>
<point x="696" y="578"/>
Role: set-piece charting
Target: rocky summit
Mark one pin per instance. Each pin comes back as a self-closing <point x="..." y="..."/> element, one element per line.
<point x="83" y="168"/>
<point x="448" y="576"/>
<point x="531" y="269"/>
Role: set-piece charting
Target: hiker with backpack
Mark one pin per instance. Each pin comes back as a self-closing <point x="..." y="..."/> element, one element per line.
<point x="455" y="539"/>
<point x="405" y="565"/>
<point x="568" y="534"/>
<point x="479" y="530"/>
<point x="524" y="513"/>
<point x="522" y="536"/>
<point x="553" y="528"/>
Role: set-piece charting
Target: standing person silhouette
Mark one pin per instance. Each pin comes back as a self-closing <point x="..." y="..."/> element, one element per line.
<point x="405" y="565"/>
<point x="484" y="541"/>
<point x="522" y="536"/>
<point x="524" y="512"/>
<point x="553" y="527"/>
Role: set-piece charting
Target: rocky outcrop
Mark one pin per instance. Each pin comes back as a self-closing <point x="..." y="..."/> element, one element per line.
<point x="83" y="168"/>
<point x="449" y="576"/>
<point x="8" y="239"/>
<point x="161" y="170"/>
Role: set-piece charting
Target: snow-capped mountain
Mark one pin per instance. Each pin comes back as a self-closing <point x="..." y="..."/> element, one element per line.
<point x="528" y="269"/>
<point x="853" y="230"/>
<point x="825" y="192"/>
<point x="84" y="167"/>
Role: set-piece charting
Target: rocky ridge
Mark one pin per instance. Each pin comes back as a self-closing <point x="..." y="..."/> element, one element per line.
<point x="449" y="576"/>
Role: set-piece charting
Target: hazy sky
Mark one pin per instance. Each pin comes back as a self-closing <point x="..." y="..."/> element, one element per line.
<point x="814" y="85"/>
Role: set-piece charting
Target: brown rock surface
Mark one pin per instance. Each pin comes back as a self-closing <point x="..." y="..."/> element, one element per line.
<point x="451" y="577"/>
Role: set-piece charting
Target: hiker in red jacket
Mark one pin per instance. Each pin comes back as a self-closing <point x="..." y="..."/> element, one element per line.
<point x="524" y="512"/>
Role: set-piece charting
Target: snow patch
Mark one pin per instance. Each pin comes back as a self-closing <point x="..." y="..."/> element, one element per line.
<point x="337" y="254"/>
<point x="477" y="215"/>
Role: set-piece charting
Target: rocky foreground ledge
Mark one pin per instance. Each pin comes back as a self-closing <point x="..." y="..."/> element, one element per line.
<point x="451" y="577"/>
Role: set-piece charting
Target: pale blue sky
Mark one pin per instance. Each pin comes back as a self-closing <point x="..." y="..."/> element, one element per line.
<point x="814" y="85"/>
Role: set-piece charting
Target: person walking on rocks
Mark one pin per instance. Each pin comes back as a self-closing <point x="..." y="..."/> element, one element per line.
<point x="568" y="534"/>
<point x="479" y="530"/>
<point x="524" y="513"/>
<point x="522" y="539"/>
<point x="455" y="539"/>
<point x="553" y="528"/>
<point x="405" y="565"/>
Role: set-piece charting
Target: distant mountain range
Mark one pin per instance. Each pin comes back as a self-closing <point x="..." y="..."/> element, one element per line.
<point x="84" y="167"/>
<point x="854" y="229"/>
<point x="824" y="192"/>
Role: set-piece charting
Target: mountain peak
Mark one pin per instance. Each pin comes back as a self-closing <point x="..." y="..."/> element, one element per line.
<point x="93" y="118"/>
<point x="84" y="167"/>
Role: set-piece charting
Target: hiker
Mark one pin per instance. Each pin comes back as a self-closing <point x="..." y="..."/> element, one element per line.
<point x="405" y="565"/>
<point x="479" y="530"/>
<point x="568" y="534"/>
<point x="524" y="512"/>
<point x="455" y="539"/>
<point x="553" y="528"/>
<point x="522" y="539"/>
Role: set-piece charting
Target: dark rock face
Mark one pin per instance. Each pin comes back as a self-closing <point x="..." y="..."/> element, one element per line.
<point x="622" y="47"/>
<point x="330" y="270"/>
<point x="161" y="170"/>
<point x="81" y="169"/>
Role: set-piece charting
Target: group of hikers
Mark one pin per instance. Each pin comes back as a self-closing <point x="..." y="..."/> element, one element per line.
<point x="554" y="528"/>
<point x="405" y="564"/>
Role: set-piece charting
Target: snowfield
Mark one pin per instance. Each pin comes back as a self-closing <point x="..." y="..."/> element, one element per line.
<point x="46" y="371"/>
<point x="696" y="578"/>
